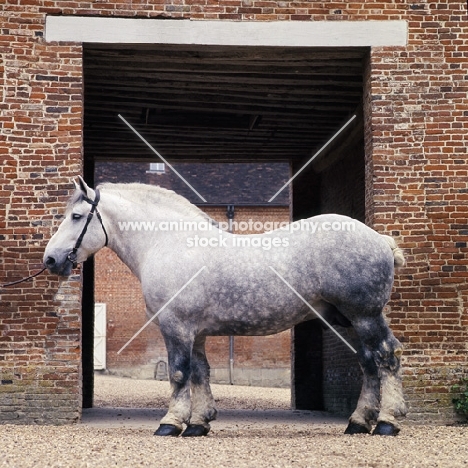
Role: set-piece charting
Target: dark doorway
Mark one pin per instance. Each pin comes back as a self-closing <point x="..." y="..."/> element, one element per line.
<point x="87" y="314"/>
<point x="307" y="375"/>
<point x="326" y="374"/>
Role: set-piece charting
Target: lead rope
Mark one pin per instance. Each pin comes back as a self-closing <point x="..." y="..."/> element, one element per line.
<point x="22" y="280"/>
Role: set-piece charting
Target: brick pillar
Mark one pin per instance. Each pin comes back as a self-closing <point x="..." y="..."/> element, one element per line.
<point x="40" y="321"/>
<point x="418" y="137"/>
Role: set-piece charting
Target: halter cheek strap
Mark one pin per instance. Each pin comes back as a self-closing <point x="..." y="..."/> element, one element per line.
<point x="94" y="203"/>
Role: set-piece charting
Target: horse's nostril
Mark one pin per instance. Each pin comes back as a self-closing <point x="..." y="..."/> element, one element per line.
<point x="50" y="261"/>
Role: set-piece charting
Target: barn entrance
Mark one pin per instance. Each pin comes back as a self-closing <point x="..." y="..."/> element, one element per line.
<point x="237" y="104"/>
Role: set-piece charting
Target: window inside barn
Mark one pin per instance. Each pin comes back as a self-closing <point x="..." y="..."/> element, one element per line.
<point x="156" y="168"/>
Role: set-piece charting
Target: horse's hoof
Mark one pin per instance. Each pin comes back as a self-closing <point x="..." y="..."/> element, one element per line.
<point x="355" y="428"/>
<point x="195" y="430"/>
<point x="168" y="430"/>
<point x="385" y="429"/>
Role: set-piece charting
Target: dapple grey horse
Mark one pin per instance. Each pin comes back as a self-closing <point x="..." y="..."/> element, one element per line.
<point x="202" y="281"/>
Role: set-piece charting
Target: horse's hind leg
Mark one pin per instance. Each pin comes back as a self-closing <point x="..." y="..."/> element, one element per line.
<point x="203" y="405"/>
<point x="380" y="359"/>
<point x="179" y="352"/>
<point x="392" y="402"/>
<point x="367" y="409"/>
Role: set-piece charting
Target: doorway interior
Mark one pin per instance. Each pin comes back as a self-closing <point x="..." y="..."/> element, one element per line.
<point x="236" y="104"/>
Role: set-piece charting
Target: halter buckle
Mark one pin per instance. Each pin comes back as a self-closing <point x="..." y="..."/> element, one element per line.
<point x="72" y="258"/>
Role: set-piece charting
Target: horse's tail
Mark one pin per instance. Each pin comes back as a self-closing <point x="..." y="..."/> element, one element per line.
<point x="398" y="256"/>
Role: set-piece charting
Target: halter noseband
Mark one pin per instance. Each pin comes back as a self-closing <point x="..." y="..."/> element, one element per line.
<point x="94" y="203"/>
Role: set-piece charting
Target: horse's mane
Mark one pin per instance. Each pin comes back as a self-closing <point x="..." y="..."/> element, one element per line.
<point x="139" y="193"/>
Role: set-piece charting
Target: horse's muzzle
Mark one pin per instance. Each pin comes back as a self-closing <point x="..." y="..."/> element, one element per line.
<point x="59" y="267"/>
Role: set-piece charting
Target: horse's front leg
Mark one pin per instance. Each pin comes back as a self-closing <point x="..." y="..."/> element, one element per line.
<point x="203" y="405"/>
<point x="179" y="356"/>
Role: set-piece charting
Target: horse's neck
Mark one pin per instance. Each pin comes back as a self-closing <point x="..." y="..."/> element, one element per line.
<point x="124" y="238"/>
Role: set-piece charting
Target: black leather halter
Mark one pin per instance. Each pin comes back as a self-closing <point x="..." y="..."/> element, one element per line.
<point x="94" y="203"/>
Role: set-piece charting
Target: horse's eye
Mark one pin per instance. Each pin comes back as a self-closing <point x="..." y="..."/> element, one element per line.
<point x="76" y="216"/>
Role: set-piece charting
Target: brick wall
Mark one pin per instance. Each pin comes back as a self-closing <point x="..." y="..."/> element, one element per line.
<point x="221" y="183"/>
<point x="40" y="119"/>
<point x="416" y="149"/>
<point x="418" y="101"/>
<point x="257" y="360"/>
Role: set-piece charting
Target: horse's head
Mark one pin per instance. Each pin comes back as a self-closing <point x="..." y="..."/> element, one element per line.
<point x="80" y="234"/>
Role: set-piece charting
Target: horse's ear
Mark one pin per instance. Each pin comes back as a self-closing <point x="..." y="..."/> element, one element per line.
<point x="81" y="185"/>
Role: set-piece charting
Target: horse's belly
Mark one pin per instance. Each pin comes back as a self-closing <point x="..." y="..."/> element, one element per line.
<point x="258" y="322"/>
<point x="245" y="329"/>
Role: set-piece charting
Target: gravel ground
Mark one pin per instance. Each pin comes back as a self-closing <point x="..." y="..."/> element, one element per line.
<point x="240" y="445"/>
<point x="132" y="393"/>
